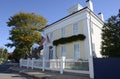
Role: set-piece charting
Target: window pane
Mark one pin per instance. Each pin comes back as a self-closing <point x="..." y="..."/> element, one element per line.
<point x="76" y="51"/>
<point x="63" y="51"/>
<point x="63" y="32"/>
<point x="75" y="28"/>
<point x="51" y="36"/>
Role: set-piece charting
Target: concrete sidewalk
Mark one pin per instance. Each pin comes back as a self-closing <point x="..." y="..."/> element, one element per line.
<point x="39" y="74"/>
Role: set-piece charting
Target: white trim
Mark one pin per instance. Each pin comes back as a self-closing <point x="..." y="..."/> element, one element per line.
<point x="77" y="71"/>
<point x="70" y="20"/>
<point x="85" y="25"/>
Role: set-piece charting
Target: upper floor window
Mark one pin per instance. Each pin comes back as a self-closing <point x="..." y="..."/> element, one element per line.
<point x="75" y="29"/>
<point x="51" y="36"/>
<point x="63" y="32"/>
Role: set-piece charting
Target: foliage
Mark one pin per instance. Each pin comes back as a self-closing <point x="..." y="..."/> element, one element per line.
<point x="68" y="39"/>
<point x="25" y="32"/>
<point x="18" y="53"/>
<point x="111" y="37"/>
<point x="3" y="55"/>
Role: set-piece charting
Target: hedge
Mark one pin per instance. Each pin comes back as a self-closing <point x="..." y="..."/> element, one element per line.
<point x="69" y="39"/>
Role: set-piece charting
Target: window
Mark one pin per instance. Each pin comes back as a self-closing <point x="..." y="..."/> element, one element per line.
<point x="51" y="36"/>
<point x="63" y="32"/>
<point x="75" y="29"/>
<point x="76" y="51"/>
<point x="63" y="51"/>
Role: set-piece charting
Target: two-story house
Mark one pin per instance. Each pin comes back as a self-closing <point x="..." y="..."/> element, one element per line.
<point x="76" y="36"/>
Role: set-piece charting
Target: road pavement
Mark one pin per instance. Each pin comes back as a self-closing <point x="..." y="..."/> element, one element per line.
<point x="7" y="73"/>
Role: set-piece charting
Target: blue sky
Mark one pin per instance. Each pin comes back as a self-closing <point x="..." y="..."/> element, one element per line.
<point x="52" y="10"/>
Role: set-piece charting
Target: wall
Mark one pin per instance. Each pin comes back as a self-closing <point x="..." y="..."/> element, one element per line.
<point x="70" y="46"/>
<point x="96" y="30"/>
<point x="70" y="50"/>
<point x="68" y="30"/>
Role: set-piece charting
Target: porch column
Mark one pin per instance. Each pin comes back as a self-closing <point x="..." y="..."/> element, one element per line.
<point x="62" y="64"/>
<point x="44" y="56"/>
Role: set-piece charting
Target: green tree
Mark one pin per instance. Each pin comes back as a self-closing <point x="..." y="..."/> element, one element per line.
<point x="111" y="37"/>
<point x="17" y="54"/>
<point x="25" y="32"/>
<point x="3" y="55"/>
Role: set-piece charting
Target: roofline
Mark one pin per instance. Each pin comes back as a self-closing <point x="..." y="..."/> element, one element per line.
<point x="64" y="17"/>
<point x="71" y="15"/>
<point x="96" y="15"/>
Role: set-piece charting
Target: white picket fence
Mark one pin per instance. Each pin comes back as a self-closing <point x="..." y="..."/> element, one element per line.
<point x="61" y="65"/>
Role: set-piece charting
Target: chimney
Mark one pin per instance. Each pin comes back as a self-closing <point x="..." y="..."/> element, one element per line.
<point x="100" y="15"/>
<point x="89" y="4"/>
<point x="74" y="8"/>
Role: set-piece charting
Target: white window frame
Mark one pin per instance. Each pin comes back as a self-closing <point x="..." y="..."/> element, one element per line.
<point x="63" y="51"/>
<point x="75" y="29"/>
<point x="76" y="51"/>
<point x="51" y="36"/>
<point x="63" y="32"/>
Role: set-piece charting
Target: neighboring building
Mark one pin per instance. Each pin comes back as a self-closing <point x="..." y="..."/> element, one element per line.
<point x="76" y="36"/>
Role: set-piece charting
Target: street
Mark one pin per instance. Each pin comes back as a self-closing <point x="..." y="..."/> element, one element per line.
<point x="7" y="73"/>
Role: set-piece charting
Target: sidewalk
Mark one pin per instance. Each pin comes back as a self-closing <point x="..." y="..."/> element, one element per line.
<point x="39" y="74"/>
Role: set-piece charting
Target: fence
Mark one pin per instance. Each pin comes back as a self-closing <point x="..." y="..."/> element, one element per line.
<point x="61" y="65"/>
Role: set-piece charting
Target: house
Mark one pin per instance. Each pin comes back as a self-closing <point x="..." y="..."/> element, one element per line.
<point x="76" y="36"/>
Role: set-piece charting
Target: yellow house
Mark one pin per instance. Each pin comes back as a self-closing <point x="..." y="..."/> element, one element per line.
<point x="76" y="36"/>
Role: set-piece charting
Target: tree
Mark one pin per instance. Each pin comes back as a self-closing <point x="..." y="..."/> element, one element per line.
<point x="3" y="55"/>
<point x="25" y="32"/>
<point x="111" y="37"/>
<point x="18" y="53"/>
